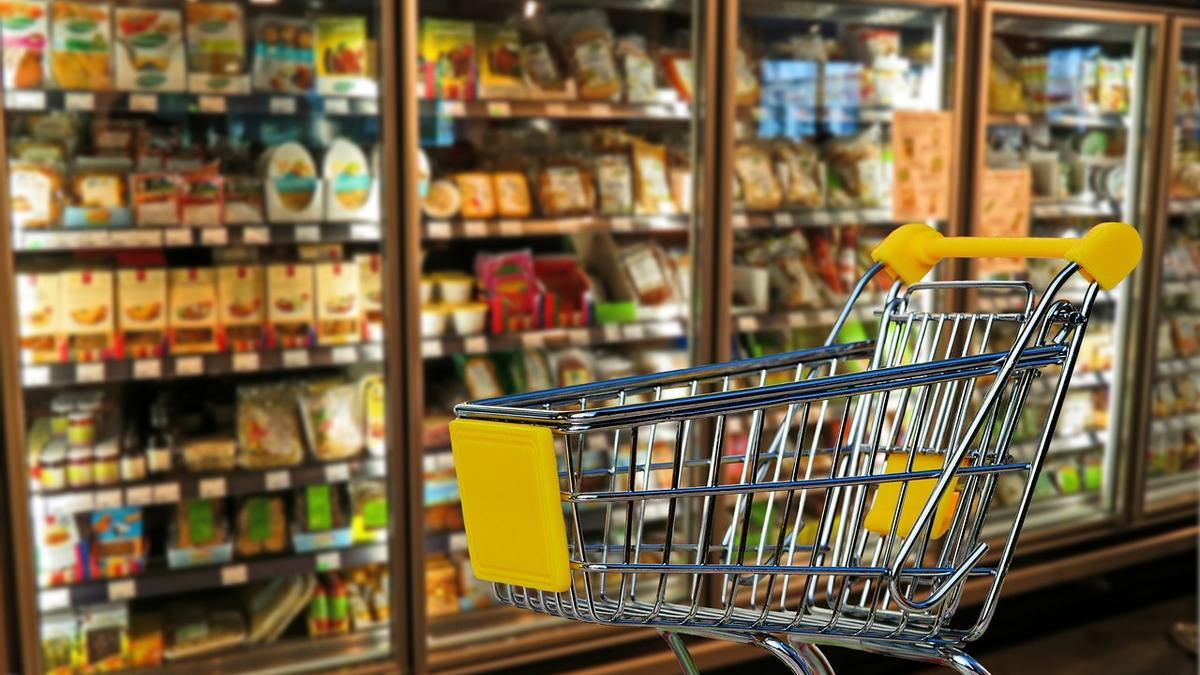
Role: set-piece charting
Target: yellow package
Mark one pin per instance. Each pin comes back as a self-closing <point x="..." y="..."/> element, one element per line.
<point x="478" y="198"/>
<point x="242" y="315"/>
<point x="760" y="188"/>
<point x="338" y="318"/>
<point x="887" y="498"/>
<point x="87" y="305"/>
<point x="289" y="305"/>
<point x="38" y="304"/>
<point x="192" y="324"/>
<point x="512" y="194"/>
<point x="81" y="45"/>
<point x="141" y="312"/>
<point x="652" y="191"/>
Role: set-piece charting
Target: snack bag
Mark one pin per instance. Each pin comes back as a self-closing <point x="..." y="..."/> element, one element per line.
<point x="268" y="427"/>
<point x="342" y="63"/>
<point x="332" y="415"/>
<point x="588" y="43"/>
<point x="283" y="55"/>
<point x="81" y="45"/>
<point x="25" y="34"/>
<point x="216" y="48"/>
<point x="150" y="51"/>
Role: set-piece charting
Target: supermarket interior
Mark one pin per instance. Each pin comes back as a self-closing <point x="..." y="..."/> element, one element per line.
<point x="261" y="249"/>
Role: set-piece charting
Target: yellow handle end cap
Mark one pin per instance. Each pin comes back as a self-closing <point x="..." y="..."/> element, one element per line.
<point x="906" y="252"/>
<point x="1108" y="253"/>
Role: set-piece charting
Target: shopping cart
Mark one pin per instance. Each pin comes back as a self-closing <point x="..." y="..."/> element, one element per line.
<point x="836" y="495"/>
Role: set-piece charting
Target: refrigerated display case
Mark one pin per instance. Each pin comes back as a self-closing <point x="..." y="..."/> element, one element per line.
<point x="847" y="121"/>
<point x="1168" y="478"/>
<point x="1064" y="140"/>
<point x="194" y="362"/>
<point x="551" y="237"/>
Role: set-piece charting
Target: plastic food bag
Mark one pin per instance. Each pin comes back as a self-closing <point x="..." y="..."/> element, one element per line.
<point x="261" y="526"/>
<point x="760" y="187"/>
<point x="268" y="428"/>
<point x="588" y="43"/>
<point x="332" y="417"/>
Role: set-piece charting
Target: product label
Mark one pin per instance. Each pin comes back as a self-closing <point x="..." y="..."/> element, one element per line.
<point x="200" y="520"/>
<point x="375" y="514"/>
<point x="319" y="506"/>
<point x="258" y="518"/>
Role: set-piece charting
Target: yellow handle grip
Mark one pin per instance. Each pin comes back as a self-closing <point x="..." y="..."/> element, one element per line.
<point x="1107" y="253"/>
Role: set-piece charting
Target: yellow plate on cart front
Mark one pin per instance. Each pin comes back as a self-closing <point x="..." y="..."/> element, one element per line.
<point x="508" y="484"/>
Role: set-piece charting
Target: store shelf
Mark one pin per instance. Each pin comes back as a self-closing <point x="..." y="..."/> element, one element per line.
<point x="1187" y="422"/>
<point x="321" y="654"/>
<point x="1172" y="486"/>
<point x="1059" y="118"/>
<point x="1042" y="207"/>
<point x="1061" y="445"/>
<point x="785" y="218"/>
<point x="1176" y="367"/>
<point x="584" y="110"/>
<point x="1180" y="207"/>
<point x="32" y="241"/>
<point x="548" y="227"/>
<point x="432" y="348"/>
<point x="184" y="103"/>
<point x="180" y="487"/>
<point x="785" y="320"/>
<point x="201" y="365"/>
<point x="1181" y="287"/>
<point x="173" y="582"/>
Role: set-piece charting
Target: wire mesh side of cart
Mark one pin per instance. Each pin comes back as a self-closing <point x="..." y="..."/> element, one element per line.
<point x="747" y="496"/>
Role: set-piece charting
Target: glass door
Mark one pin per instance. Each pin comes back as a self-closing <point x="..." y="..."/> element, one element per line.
<point x="198" y="465"/>
<point x="1172" y="457"/>
<point x="1062" y="144"/>
<point x="555" y="168"/>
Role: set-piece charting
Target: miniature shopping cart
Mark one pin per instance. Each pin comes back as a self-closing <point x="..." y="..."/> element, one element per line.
<point x="840" y="495"/>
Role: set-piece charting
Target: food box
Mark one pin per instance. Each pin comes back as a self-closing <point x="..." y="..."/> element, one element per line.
<point x="242" y="317"/>
<point x="351" y="191"/>
<point x="100" y="200"/>
<point x="289" y="305"/>
<point x="600" y="256"/>
<point x="118" y="546"/>
<point x="202" y="201"/>
<point x="283" y="55"/>
<point x="343" y="62"/>
<point x="155" y="199"/>
<point x="370" y="294"/>
<point x="150" y="51"/>
<point x="216" y="48"/>
<point x="243" y="200"/>
<point x="447" y="54"/>
<point x="293" y="192"/>
<point x="141" y="312"/>
<point x="510" y="289"/>
<point x="500" y="73"/>
<point x="338" y="317"/>
<point x="25" y="33"/>
<point x="40" y="309"/>
<point x="192" y="326"/>
<point x="568" y="296"/>
<point x="36" y="194"/>
<point x="87" y="305"/>
<point x="81" y="45"/>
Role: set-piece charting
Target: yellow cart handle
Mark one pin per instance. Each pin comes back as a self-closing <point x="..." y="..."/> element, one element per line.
<point x="1107" y="253"/>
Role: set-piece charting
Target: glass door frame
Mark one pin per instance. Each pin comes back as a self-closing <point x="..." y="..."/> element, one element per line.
<point x="1123" y="419"/>
<point x="22" y="610"/>
<point x="1141" y="512"/>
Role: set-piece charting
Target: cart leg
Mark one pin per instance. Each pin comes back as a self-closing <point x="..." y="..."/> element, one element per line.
<point x="675" y="642"/>
<point x="801" y="658"/>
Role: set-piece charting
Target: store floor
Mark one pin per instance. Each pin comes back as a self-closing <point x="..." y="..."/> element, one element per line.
<point x="1116" y="624"/>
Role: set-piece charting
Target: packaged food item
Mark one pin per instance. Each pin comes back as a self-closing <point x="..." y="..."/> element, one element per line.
<point x="370" y="293"/>
<point x="536" y="371"/>
<point x="638" y="69"/>
<point x="241" y="292"/>
<point x="145" y="640"/>
<point x="216" y="49"/>
<point x="857" y="176"/>
<point x="510" y="288"/>
<point x="104" y="630"/>
<point x="747" y="91"/>
<point x="500" y="73"/>
<point x="118" y="545"/>
<point x="512" y="194"/>
<point x="443" y="200"/>
<point x="369" y="510"/>
<point x="59" y="559"/>
<point x="565" y="189"/>
<point x="202" y="198"/>
<point x="800" y="166"/>
<point x="468" y="318"/>
<point x="572" y="367"/>
<point x="566" y="291"/>
<point x="40" y="315"/>
<point x="212" y="453"/>
<point x="155" y="198"/>
<point x="25" y="33"/>
<point x="268" y="427"/>
<point x="680" y="177"/>
<point x="141" y="312"/>
<point x="338" y="315"/>
<point x="332" y="416"/>
<point x="348" y="175"/>
<point x="649" y="273"/>
<point x="87" y="306"/>
<point x="99" y="189"/>
<point x="614" y="182"/>
<point x="291" y="184"/>
<point x="59" y="632"/>
<point x="588" y="44"/>
<point x="319" y="508"/>
<point x="52" y="466"/>
<point x="478" y="198"/>
<point x="150" y="54"/>
<point x="290" y="305"/>
<point x="261" y="526"/>
<point x="543" y="79"/>
<point x="192" y="323"/>
<point x="271" y="607"/>
<point x="243" y="200"/>
<point x="106" y="464"/>
<point x="480" y="375"/>
<point x="447" y="51"/>
<point x="651" y="190"/>
<point x="283" y="54"/>
<point x="374" y="414"/>
<point x="680" y="73"/>
<point x="441" y="587"/>
<point x="752" y="164"/>
<point x="81" y="45"/>
<point x="343" y="68"/>
<point x="199" y="533"/>
<point x="473" y="593"/>
<point x="35" y="195"/>
<point x="193" y="631"/>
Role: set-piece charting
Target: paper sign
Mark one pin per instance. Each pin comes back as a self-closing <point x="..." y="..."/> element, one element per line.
<point x="921" y="153"/>
<point x="1003" y="211"/>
